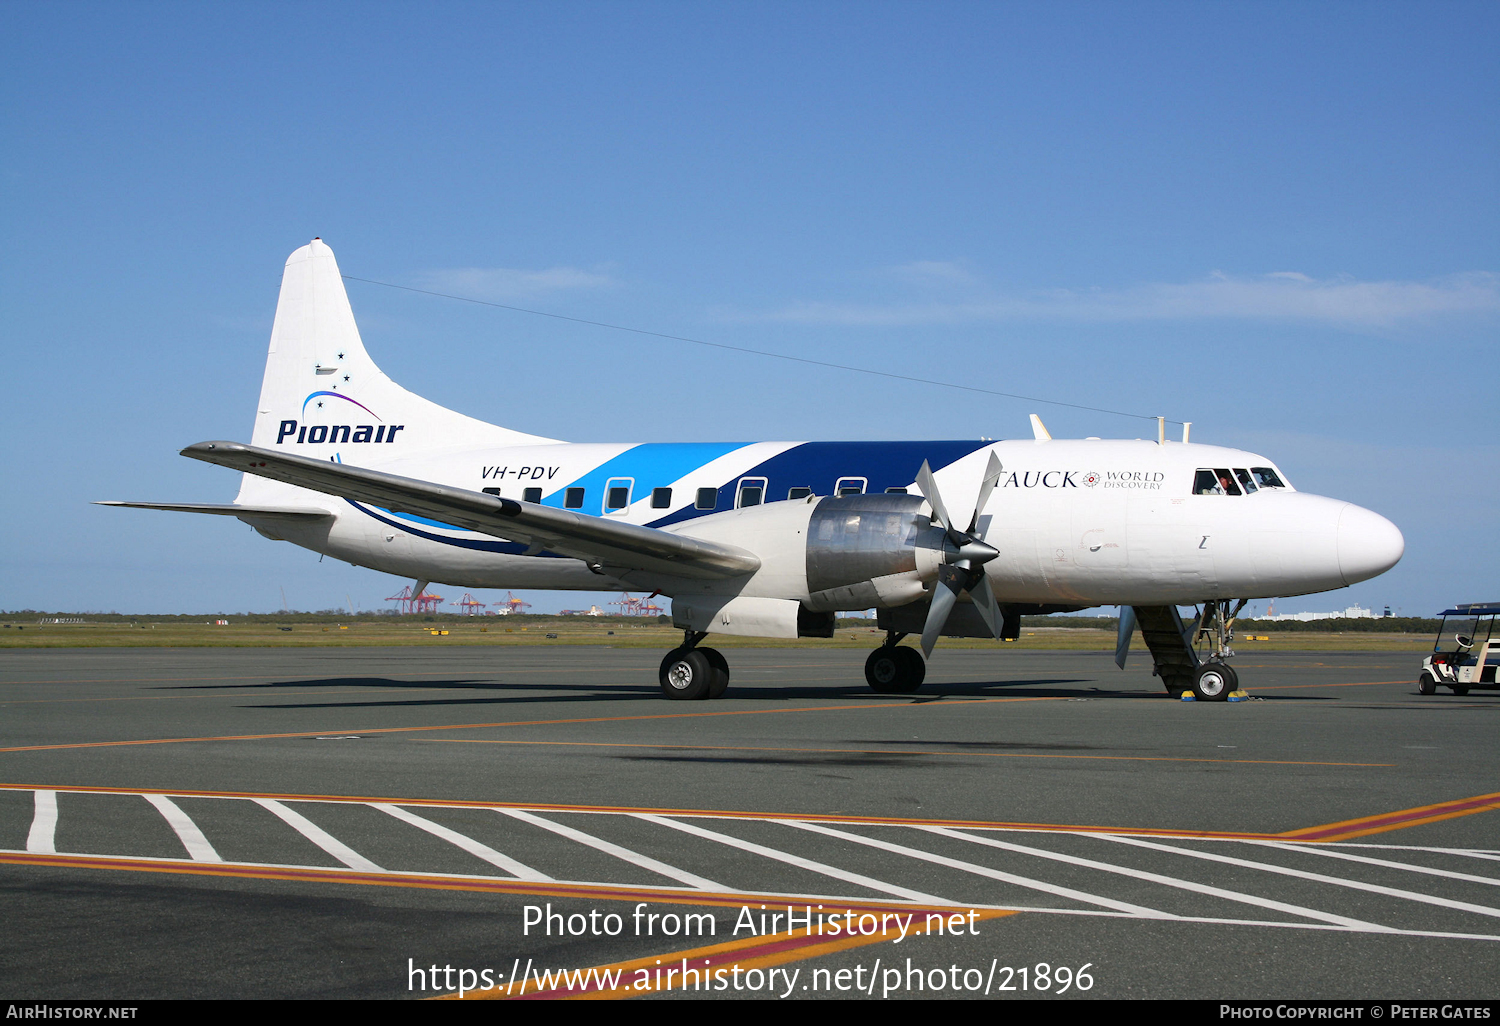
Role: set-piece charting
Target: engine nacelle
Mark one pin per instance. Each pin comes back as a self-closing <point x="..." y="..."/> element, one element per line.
<point x="870" y="550"/>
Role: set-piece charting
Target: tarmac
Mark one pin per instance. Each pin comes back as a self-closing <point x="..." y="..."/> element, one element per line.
<point x="352" y="822"/>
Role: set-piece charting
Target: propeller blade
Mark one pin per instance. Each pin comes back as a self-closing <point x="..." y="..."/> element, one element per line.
<point x="992" y="474"/>
<point x="1127" y="631"/>
<point x="929" y="488"/>
<point x="984" y="602"/>
<point x="944" y="594"/>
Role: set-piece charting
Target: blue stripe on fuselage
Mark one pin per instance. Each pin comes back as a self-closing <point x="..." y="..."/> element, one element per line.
<point x="815" y="465"/>
<point x="652" y="465"/>
<point x="819" y="465"/>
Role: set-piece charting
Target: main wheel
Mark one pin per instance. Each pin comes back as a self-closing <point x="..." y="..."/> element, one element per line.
<point x="916" y="669"/>
<point x="1213" y="682"/>
<point x="686" y="674"/>
<point x="891" y="670"/>
<point x="1426" y="685"/>
<point x="719" y="683"/>
<point x="883" y="670"/>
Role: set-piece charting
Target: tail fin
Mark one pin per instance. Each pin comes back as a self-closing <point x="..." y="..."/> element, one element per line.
<point x="322" y="395"/>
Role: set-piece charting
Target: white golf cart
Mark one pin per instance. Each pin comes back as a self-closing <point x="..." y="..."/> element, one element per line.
<point x="1472" y="662"/>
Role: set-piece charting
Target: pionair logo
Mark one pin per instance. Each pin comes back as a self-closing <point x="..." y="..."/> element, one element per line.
<point x="339" y="433"/>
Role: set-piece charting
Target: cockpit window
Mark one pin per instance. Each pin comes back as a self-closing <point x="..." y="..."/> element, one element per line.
<point x="1246" y="481"/>
<point x="1218" y="481"/>
<point x="1267" y="478"/>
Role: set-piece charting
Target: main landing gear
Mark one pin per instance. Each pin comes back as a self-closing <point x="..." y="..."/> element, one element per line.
<point x="892" y="670"/>
<point x="690" y="672"/>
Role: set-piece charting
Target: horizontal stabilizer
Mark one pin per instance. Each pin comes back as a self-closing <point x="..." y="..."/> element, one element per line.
<point x="595" y="540"/>
<point x="229" y="509"/>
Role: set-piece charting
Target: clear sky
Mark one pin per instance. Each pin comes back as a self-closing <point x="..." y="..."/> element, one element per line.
<point x="1276" y="220"/>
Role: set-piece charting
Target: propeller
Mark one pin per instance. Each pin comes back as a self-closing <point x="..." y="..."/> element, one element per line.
<point x="964" y="556"/>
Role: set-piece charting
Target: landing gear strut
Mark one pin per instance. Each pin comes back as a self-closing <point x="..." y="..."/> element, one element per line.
<point x="690" y="672"/>
<point x="1212" y="634"/>
<point x="892" y="670"/>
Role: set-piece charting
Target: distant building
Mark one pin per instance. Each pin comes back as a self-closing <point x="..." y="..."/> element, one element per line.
<point x="1355" y="612"/>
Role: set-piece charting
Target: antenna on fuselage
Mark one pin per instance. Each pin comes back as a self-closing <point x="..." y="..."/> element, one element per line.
<point x="1187" y="426"/>
<point x="1039" y="430"/>
<point x="1161" y="430"/>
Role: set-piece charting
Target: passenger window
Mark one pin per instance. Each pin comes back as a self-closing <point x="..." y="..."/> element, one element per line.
<point x="532" y="495"/>
<point x="800" y="492"/>
<point x="661" y="498"/>
<point x="752" y="491"/>
<point x="708" y="498"/>
<point x="1206" y="483"/>
<point x="1267" y="477"/>
<point x="895" y="491"/>
<point x="1245" y="480"/>
<point x="616" y="498"/>
<point x="850" y="486"/>
<point x="573" y="498"/>
<point x="491" y="491"/>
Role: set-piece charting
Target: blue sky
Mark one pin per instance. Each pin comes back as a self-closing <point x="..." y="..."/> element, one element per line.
<point x="1276" y="220"/>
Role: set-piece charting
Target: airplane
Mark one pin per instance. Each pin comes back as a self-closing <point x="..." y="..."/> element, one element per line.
<point x="773" y="539"/>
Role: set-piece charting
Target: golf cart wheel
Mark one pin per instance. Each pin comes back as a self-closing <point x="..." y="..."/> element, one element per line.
<point x="1426" y="685"/>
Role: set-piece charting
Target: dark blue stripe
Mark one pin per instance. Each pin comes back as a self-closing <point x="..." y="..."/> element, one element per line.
<point x="819" y="465"/>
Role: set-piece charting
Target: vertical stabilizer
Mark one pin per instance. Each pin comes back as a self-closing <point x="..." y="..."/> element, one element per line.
<point x="322" y="395"/>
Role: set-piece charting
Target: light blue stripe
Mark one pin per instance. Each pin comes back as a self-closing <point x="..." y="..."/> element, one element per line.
<point x="652" y="465"/>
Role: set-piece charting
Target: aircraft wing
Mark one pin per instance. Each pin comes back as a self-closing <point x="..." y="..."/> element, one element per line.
<point x="592" y="539"/>
<point x="229" y="509"/>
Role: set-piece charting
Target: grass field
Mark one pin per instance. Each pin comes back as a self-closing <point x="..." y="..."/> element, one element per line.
<point x="621" y="632"/>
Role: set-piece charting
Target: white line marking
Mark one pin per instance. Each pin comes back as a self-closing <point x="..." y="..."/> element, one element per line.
<point x="1167" y="881"/>
<point x="468" y="844"/>
<point x="1473" y="853"/>
<point x="796" y="860"/>
<point x="1393" y="892"/>
<point x="187" y="831"/>
<point x="43" y="835"/>
<point x="1350" y="857"/>
<point x="317" y="835"/>
<point x="609" y="848"/>
<point x="993" y="874"/>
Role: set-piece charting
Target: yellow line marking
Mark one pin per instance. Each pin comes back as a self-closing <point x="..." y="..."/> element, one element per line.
<point x="452" y="882"/>
<point x="892" y="751"/>
<point x="1387" y="821"/>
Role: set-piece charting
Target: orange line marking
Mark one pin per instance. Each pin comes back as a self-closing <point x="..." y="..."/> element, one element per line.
<point x="1400" y="820"/>
<point x="883" y="751"/>
<point x="523" y="723"/>
<point x="1354" y="684"/>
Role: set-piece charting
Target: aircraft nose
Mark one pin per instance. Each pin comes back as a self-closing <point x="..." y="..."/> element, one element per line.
<point x="1368" y="544"/>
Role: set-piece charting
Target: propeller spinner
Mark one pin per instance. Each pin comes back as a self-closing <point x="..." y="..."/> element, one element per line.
<point x="964" y="556"/>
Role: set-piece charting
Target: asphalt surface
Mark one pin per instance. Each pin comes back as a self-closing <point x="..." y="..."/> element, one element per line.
<point x="332" y="822"/>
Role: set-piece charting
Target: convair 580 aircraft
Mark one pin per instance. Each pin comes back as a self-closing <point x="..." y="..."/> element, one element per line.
<point x="771" y="539"/>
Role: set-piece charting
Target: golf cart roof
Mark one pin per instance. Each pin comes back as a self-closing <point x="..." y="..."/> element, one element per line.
<point x="1473" y="609"/>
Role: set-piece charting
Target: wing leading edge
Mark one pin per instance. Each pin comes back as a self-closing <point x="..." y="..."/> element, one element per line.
<point x="593" y="539"/>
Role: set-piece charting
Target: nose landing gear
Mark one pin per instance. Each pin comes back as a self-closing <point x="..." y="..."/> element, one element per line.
<point x="1214" y="679"/>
